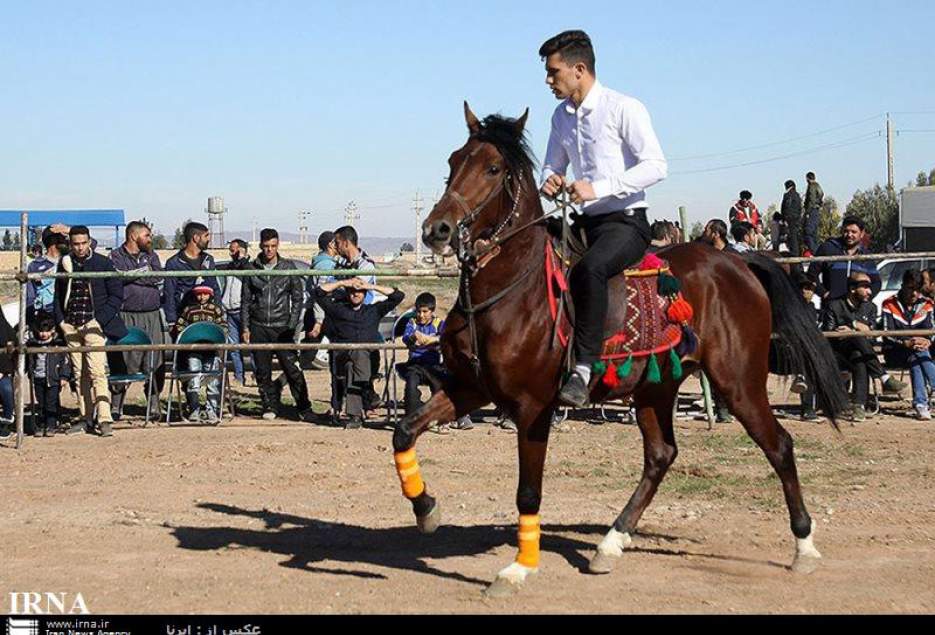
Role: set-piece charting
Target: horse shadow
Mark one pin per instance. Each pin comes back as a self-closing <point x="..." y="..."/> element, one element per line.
<point x="307" y="542"/>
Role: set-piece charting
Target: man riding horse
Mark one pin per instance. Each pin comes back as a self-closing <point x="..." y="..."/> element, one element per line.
<point x="608" y="140"/>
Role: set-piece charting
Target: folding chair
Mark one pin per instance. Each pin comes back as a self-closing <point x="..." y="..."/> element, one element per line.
<point x="134" y="336"/>
<point x="392" y="368"/>
<point x="199" y="333"/>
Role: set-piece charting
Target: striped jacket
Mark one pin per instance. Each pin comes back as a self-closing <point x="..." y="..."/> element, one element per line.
<point x="897" y="317"/>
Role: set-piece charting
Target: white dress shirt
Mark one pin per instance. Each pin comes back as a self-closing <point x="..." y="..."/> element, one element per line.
<point x="608" y="141"/>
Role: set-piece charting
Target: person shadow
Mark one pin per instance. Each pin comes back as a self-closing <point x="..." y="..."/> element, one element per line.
<point x="307" y="542"/>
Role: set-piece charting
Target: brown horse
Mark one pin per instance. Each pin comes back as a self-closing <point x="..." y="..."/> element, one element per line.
<point x="508" y="357"/>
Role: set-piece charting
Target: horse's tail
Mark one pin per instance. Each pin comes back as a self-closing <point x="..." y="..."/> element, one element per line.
<point x="800" y="347"/>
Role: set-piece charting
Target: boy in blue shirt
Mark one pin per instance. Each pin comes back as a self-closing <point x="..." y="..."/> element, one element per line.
<point x="424" y="367"/>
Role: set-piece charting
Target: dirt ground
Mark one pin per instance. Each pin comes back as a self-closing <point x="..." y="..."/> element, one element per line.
<point x="283" y="517"/>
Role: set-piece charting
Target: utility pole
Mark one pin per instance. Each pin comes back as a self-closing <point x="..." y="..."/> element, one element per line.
<point x="303" y="226"/>
<point x="889" y="152"/>
<point x="417" y="207"/>
<point x="350" y="213"/>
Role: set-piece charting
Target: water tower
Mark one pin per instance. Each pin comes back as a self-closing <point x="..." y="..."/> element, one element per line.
<point x="216" y="211"/>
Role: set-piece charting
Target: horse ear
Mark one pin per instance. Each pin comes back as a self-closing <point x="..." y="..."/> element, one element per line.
<point x="473" y="123"/>
<point x="521" y="122"/>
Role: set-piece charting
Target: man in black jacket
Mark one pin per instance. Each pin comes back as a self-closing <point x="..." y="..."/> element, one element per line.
<point x="832" y="277"/>
<point x="791" y="210"/>
<point x="88" y="312"/>
<point x="855" y="312"/>
<point x="269" y="312"/>
<point x="354" y="322"/>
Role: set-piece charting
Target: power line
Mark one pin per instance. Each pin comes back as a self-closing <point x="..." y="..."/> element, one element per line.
<point x="899" y="132"/>
<point x="776" y="143"/>
<point x="829" y="146"/>
<point x="915" y="112"/>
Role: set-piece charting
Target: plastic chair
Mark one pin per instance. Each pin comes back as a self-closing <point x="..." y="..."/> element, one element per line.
<point x="136" y="336"/>
<point x="199" y="333"/>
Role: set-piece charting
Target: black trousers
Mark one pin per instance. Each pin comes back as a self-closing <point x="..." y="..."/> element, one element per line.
<point x="856" y="355"/>
<point x="794" y="236"/>
<point x="417" y="375"/>
<point x="615" y="242"/>
<point x="48" y="404"/>
<point x="352" y="370"/>
<point x="288" y="360"/>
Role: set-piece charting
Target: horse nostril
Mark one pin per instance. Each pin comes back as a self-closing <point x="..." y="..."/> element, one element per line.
<point x="443" y="230"/>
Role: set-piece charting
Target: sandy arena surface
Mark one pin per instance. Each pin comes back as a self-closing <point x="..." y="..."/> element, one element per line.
<point x="286" y="517"/>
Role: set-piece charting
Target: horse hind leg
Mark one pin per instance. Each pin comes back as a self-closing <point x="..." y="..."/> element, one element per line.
<point x="441" y="407"/>
<point x="654" y="414"/>
<point x="751" y="406"/>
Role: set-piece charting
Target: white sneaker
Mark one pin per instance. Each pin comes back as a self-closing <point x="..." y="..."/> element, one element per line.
<point x="923" y="412"/>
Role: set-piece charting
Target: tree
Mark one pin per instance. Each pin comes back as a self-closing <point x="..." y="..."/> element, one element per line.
<point x="178" y="241"/>
<point x="7" y="241"/>
<point x="878" y="207"/>
<point x="829" y="219"/>
<point x="160" y="241"/>
<point x="696" y="231"/>
<point x="406" y="248"/>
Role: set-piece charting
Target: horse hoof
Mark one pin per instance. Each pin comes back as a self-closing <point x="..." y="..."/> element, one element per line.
<point x="804" y="565"/>
<point x="509" y="581"/>
<point x="431" y="521"/>
<point x="602" y="563"/>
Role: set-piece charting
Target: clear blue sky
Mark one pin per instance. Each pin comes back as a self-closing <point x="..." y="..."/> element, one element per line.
<point x="282" y="106"/>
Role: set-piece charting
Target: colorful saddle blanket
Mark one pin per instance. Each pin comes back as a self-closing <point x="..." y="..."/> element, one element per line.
<point x="656" y="320"/>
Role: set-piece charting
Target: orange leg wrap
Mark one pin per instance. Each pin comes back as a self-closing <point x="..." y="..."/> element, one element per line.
<point x="408" y="469"/>
<point x="528" y="555"/>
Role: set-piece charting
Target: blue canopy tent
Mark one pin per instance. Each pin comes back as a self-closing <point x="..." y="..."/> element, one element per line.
<point x="89" y="217"/>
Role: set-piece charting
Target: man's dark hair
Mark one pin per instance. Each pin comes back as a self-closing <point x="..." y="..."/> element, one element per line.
<point x="719" y="227"/>
<point x="661" y="229"/>
<point x="912" y="280"/>
<point x="804" y="281"/>
<point x="44" y="321"/>
<point x="790" y="183"/>
<point x="810" y="176"/>
<point x="242" y="244"/>
<point x="931" y="272"/>
<point x="324" y="239"/>
<point x="425" y="299"/>
<point x="858" y="278"/>
<point x="134" y="226"/>
<point x="192" y="229"/>
<point x="346" y="233"/>
<point x="746" y="195"/>
<point x="268" y="234"/>
<point x="740" y="230"/>
<point x="573" y="46"/>
<point x="50" y="238"/>
<point x="79" y="230"/>
<point x="853" y="220"/>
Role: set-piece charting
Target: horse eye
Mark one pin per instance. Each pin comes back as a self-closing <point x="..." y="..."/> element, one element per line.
<point x="493" y="169"/>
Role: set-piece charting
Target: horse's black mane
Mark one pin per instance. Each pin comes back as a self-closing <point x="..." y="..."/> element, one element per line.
<point x="501" y="132"/>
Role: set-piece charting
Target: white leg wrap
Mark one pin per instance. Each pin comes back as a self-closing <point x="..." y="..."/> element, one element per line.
<point x="614" y="543"/>
<point x="515" y="573"/>
<point x="805" y="547"/>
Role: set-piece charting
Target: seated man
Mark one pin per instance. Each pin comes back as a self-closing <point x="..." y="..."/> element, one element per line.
<point x="909" y="309"/>
<point x="355" y="323"/>
<point x="202" y="309"/>
<point x="855" y="312"/>
<point x="424" y="367"/>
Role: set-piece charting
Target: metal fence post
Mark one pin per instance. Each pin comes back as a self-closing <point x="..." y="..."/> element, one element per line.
<point x="20" y="397"/>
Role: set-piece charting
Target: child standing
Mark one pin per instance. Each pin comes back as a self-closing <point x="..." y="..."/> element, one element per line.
<point x="50" y="373"/>
<point x="202" y="309"/>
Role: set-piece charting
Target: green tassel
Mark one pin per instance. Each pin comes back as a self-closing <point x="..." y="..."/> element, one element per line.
<point x="668" y="285"/>
<point x="623" y="371"/>
<point x="676" y="364"/>
<point x="599" y="368"/>
<point x="653" y="375"/>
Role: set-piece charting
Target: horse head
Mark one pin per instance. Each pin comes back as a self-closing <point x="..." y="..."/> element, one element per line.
<point x="492" y="164"/>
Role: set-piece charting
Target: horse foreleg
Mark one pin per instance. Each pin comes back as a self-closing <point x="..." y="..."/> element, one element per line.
<point x="442" y="407"/>
<point x="654" y="417"/>
<point x="533" y="440"/>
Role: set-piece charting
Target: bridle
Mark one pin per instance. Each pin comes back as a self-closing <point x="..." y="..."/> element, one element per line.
<point x="469" y="257"/>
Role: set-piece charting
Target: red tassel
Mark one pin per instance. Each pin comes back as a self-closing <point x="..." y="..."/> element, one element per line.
<point x="610" y="378"/>
<point x="651" y="261"/>
<point x="680" y="311"/>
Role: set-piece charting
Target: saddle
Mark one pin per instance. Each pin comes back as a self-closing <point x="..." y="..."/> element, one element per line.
<point x="646" y="316"/>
